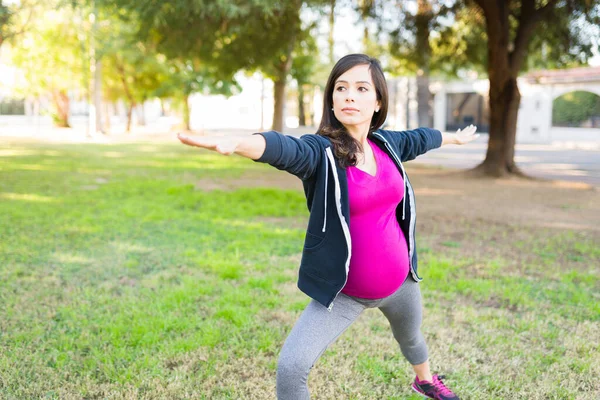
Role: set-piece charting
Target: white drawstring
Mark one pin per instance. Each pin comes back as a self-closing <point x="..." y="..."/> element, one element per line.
<point x="326" y="178"/>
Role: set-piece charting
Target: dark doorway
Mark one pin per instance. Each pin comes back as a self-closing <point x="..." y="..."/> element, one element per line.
<point x="464" y="109"/>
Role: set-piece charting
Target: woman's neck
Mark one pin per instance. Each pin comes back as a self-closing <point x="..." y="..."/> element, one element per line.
<point x="359" y="133"/>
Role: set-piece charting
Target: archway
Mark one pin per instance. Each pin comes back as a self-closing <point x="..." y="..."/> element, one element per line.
<point x="576" y="109"/>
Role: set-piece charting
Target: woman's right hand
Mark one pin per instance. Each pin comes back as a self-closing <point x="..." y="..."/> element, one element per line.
<point x="221" y="144"/>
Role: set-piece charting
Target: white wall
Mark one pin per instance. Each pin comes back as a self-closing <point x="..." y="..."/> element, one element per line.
<point x="534" y="123"/>
<point x="241" y="111"/>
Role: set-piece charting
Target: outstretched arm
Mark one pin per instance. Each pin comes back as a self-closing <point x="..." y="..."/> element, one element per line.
<point x="249" y="146"/>
<point x="298" y="156"/>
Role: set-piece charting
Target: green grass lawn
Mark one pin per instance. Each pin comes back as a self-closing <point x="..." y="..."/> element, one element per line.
<point x="122" y="277"/>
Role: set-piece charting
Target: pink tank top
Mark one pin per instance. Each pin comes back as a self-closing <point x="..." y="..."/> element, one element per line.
<point x="379" y="262"/>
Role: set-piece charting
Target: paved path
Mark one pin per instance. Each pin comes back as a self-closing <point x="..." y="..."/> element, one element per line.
<point x="579" y="163"/>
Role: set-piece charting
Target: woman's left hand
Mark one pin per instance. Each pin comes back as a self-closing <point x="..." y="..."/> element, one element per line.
<point x="463" y="136"/>
<point x="466" y="135"/>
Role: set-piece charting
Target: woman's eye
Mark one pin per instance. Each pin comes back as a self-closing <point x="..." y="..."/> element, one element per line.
<point x="363" y="89"/>
<point x="340" y="88"/>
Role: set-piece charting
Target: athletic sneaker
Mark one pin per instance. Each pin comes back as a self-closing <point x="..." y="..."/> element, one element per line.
<point x="434" y="390"/>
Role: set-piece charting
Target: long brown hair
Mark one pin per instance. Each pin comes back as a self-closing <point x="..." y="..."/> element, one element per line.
<point x="345" y="146"/>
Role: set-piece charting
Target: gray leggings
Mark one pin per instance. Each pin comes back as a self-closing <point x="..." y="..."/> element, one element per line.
<point x="317" y="328"/>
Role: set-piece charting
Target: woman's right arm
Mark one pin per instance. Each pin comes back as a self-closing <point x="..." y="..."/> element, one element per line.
<point x="247" y="146"/>
<point x="298" y="156"/>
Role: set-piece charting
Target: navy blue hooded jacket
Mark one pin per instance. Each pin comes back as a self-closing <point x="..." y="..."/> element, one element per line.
<point x="327" y="246"/>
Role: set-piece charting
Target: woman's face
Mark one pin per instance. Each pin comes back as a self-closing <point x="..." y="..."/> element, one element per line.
<point x="355" y="98"/>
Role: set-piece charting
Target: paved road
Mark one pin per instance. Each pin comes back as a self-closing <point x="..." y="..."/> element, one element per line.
<point x="573" y="163"/>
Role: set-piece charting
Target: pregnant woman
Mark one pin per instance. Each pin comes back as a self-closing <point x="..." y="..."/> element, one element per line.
<point x="359" y="251"/>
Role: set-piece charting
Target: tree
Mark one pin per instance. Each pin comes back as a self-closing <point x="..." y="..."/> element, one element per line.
<point x="423" y="21"/>
<point x="226" y="36"/>
<point x="185" y="77"/>
<point x="49" y="56"/>
<point x="15" y="17"/>
<point x="132" y="74"/>
<point x="330" y="41"/>
<point x="217" y="39"/>
<point x="284" y="24"/>
<point x="500" y="38"/>
<point x="303" y="68"/>
<point x="410" y="46"/>
<point x="511" y="28"/>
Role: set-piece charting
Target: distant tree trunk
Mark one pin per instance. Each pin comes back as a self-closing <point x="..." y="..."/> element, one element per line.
<point x="186" y="112"/>
<point x="365" y="7"/>
<point x="301" y="111"/>
<point x="129" y="116"/>
<point x="423" y="19"/>
<point x="107" y="115"/>
<point x="331" y="26"/>
<point x="283" y="69"/>
<point x="61" y="103"/>
<point x="141" y="113"/>
<point x="283" y="66"/>
<point x="98" y="96"/>
<point x="128" y="94"/>
<point x="279" y="95"/>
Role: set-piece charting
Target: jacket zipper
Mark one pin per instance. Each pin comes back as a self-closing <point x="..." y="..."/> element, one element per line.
<point x="338" y="203"/>
<point x="411" y="229"/>
<point x="326" y="178"/>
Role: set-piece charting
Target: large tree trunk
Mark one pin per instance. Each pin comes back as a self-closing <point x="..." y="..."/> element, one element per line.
<point x="61" y="103"/>
<point x="424" y="16"/>
<point x="504" y="108"/>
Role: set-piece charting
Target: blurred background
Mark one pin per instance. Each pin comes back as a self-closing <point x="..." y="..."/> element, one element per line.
<point x="97" y="68"/>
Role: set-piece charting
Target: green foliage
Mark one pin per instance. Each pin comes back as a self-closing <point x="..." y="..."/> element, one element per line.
<point x="304" y="57"/>
<point x="50" y="55"/>
<point x="459" y="38"/>
<point x="15" y="18"/>
<point x="222" y="35"/>
<point x="575" y="107"/>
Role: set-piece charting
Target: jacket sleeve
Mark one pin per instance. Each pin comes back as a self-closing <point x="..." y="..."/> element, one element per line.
<point x="298" y="156"/>
<point x="415" y="142"/>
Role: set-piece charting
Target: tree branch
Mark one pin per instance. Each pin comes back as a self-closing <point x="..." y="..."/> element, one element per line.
<point x="528" y="20"/>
